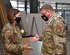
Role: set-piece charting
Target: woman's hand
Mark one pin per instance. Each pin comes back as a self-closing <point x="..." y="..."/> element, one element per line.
<point x="26" y="47"/>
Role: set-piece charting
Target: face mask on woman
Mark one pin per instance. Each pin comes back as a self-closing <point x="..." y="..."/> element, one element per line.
<point x="18" y="19"/>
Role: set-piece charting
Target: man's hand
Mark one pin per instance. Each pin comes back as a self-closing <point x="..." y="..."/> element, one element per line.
<point x="35" y="38"/>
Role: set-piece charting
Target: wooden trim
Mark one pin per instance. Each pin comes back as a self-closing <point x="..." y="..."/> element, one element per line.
<point x="3" y="13"/>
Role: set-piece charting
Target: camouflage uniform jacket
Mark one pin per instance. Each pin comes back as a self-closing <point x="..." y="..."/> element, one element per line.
<point x="55" y="35"/>
<point x="12" y="40"/>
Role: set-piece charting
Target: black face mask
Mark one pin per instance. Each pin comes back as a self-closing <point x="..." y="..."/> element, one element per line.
<point x="44" y="18"/>
<point x="18" y="19"/>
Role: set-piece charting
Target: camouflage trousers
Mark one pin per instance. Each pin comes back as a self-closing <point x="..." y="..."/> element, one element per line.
<point x="52" y="54"/>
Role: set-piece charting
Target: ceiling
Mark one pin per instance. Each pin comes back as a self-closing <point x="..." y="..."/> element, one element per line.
<point x="8" y="5"/>
<point x="64" y="1"/>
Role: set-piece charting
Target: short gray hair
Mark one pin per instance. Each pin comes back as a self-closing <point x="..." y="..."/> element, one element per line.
<point x="47" y="7"/>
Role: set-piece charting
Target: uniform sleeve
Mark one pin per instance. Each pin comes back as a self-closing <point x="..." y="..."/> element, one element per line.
<point x="40" y="38"/>
<point x="47" y="32"/>
<point x="59" y="35"/>
<point x="8" y="44"/>
<point x="59" y="27"/>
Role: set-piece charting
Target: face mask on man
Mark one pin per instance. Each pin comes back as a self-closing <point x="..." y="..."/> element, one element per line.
<point x="44" y="18"/>
<point x="18" y="19"/>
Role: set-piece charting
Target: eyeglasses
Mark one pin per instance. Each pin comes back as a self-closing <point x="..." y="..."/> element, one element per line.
<point x="43" y="12"/>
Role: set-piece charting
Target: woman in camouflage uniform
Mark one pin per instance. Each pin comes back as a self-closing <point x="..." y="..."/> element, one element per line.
<point x="55" y="33"/>
<point x="12" y="35"/>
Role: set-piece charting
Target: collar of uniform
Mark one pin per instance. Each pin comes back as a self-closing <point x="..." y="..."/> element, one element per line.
<point x="53" y="17"/>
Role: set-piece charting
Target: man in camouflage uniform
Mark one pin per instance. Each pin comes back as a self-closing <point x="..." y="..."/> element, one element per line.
<point x="55" y="33"/>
